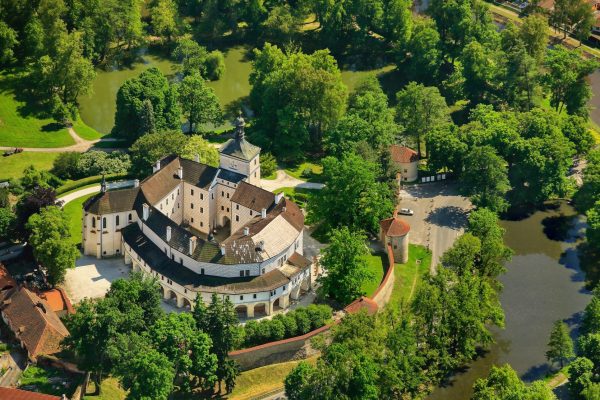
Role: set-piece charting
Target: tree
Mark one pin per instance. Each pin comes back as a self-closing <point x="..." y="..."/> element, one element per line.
<point x="192" y="56"/>
<point x="589" y="347"/>
<point x="560" y="346"/>
<point x="589" y="193"/>
<point x="7" y="223"/>
<point x="197" y="146"/>
<point x="591" y="392"/>
<point x="296" y="97"/>
<point x="592" y="232"/>
<point x="445" y="149"/>
<point x="461" y="256"/>
<point x="219" y="320"/>
<point x="65" y="165"/>
<point x="351" y="181"/>
<point x="131" y="120"/>
<point x="31" y="203"/>
<point x="577" y="131"/>
<point x="575" y="16"/>
<point x="95" y="162"/>
<point x="148" y="374"/>
<point x="51" y="242"/>
<point x="147" y="122"/>
<point x="345" y="262"/>
<point x="164" y="22"/>
<point x="8" y="41"/>
<point x="485" y="179"/>
<point x="581" y="375"/>
<point x="423" y="54"/>
<point x="298" y="380"/>
<point x="199" y="102"/>
<point x="502" y="383"/>
<point x="565" y="79"/>
<point x="150" y="148"/>
<point x="534" y="34"/>
<point x="214" y="65"/>
<point x="268" y="164"/>
<point x="484" y="224"/>
<point x="420" y="110"/>
<point x="590" y="322"/>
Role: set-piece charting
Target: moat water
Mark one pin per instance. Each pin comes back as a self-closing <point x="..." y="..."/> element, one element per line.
<point x="543" y="283"/>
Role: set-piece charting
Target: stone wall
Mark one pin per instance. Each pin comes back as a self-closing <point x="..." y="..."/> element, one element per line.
<point x="384" y="291"/>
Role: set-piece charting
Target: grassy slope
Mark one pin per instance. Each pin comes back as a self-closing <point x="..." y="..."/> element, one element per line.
<point x="74" y="212"/>
<point x="256" y="382"/>
<point x="376" y="266"/>
<point x="86" y="132"/>
<point x="297" y="170"/>
<point x="19" y="127"/>
<point x="13" y="166"/>
<point x="111" y="390"/>
<point x="409" y="273"/>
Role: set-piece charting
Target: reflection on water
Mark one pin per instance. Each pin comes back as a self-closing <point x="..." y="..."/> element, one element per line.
<point x="543" y="283"/>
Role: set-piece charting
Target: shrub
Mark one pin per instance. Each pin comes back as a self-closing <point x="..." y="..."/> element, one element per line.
<point x="277" y="329"/>
<point x="302" y="321"/>
<point x="99" y="162"/>
<point x="65" y="165"/>
<point x="215" y="65"/>
<point x="67" y="187"/>
<point x="268" y="164"/>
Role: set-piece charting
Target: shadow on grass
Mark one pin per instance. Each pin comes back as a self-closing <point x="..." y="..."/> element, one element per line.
<point x="17" y="83"/>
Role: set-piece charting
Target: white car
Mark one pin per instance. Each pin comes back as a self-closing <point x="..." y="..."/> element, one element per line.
<point x="406" y="211"/>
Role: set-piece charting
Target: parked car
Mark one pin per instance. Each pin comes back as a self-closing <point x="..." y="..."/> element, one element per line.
<point x="12" y="151"/>
<point x="406" y="211"/>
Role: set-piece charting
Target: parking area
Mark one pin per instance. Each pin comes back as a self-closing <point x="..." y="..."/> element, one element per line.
<point x="440" y="215"/>
<point x="92" y="277"/>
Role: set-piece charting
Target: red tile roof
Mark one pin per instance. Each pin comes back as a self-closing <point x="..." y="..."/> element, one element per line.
<point x="18" y="394"/>
<point x="394" y="226"/>
<point x="34" y="323"/>
<point x="403" y="154"/>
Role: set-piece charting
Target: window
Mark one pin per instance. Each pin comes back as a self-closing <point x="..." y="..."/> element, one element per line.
<point x="167" y="201"/>
<point x="254" y="296"/>
<point x="177" y="192"/>
<point x="222" y="193"/>
<point x="201" y="210"/>
<point x="201" y="196"/>
<point x="173" y="257"/>
<point x="250" y="212"/>
<point x="255" y="174"/>
<point x="192" y="192"/>
<point x="161" y="207"/>
<point x="255" y="161"/>
<point x="180" y="260"/>
<point x="247" y="272"/>
<point x="263" y="270"/>
<point x="104" y="223"/>
<point x="222" y="208"/>
<point x="177" y="205"/>
<point x="283" y="287"/>
<point x="129" y="217"/>
<point x="202" y="271"/>
<point x="227" y="209"/>
<point x="173" y="196"/>
<point x="241" y="273"/>
<point x="94" y="222"/>
<point x="165" y="250"/>
<point x="405" y="170"/>
<point x="201" y="223"/>
<point x="192" y="206"/>
<point x="227" y="195"/>
<point x="237" y="218"/>
<point x="237" y="206"/>
<point x="192" y="220"/>
<point x="117" y="220"/>
<point x="241" y="297"/>
<point x="212" y="196"/>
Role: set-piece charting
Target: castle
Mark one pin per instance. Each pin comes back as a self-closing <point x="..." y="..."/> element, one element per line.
<point x="202" y="230"/>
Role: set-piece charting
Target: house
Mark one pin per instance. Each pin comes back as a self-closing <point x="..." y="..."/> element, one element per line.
<point x="202" y="230"/>
<point x="395" y="232"/>
<point x="18" y="394"/>
<point x="31" y="319"/>
<point x="407" y="161"/>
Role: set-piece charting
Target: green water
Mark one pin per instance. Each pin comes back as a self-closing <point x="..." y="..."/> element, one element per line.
<point x="98" y="108"/>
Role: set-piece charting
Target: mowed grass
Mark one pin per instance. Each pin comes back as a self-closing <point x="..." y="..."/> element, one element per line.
<point x="408" y="276"/>
<point x="110" y="390"/>
<point x="376" y="264"/>
<point x="13" y="166"/>
<point x="74" y="212"/>
<point x="256" y="382"/>
<point x="20" y="126"/>
<point x="306" y="171"/>
<point x="86" y="132"/>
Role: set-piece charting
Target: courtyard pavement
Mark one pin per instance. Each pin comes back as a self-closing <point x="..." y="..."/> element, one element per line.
<point x="440" y="216"/>
<point x="91" y="277"/>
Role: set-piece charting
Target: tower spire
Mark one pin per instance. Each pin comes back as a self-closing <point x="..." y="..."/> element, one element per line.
<point x="103" y="184"/>
<point x="240" y="123"/>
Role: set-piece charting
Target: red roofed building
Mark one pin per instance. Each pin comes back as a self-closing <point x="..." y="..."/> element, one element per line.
<point x="18" y="394"/>
<point x="407" y="160"/>
<point x="394" y="232"/>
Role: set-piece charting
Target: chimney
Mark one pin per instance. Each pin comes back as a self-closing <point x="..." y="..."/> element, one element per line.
<point x="222" y="250"/>
<point x="246" y="231"/>
<point x="146" y="212"/>
<point x="278" y="197"/>
<point x="168" y="233"/>
<point x="136" y="183"/>
<point x="156" y="167"/>
<point x="180" y="172"/>
<point x="197" y="158"/>
<point x="263" y="213"/>
<point x="192" y="245"/>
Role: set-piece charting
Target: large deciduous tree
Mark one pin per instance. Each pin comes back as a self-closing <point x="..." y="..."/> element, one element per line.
<point x="151" y="147"/>
<point x="199" y="102"/>
<point x="344" y="261"/>
<point x="503" y="383"/>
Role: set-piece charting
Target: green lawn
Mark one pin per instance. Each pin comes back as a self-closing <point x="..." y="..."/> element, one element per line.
<point x="376" y="265"/>
<point x="306" y="171"/>
<point x="74" y="212"/>
<point x="110" y="390"/>
<point x="13" y="166"/>
<point x="299" y="196"/>
<point x="86" y="132"/>
<point x="409" y="275"/>
<point x="20" y="125"/>
<point x="48" y="381"/>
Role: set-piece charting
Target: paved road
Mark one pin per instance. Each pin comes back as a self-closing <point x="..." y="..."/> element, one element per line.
<point x="440" y="216"/>
<point x="81" y="145"/>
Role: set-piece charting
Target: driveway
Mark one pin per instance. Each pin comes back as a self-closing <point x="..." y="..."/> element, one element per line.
<point x="283" y="180"/>
<point x="440" y="216"/>
<point x="92" y="277"/>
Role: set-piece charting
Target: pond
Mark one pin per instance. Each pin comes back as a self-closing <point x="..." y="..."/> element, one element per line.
<point x="543" y="283"/>
<point x="98" y="109"/>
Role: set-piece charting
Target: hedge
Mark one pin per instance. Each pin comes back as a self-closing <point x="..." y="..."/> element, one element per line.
<point x="72" y="185"/>
<point x="283" y="326"/>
